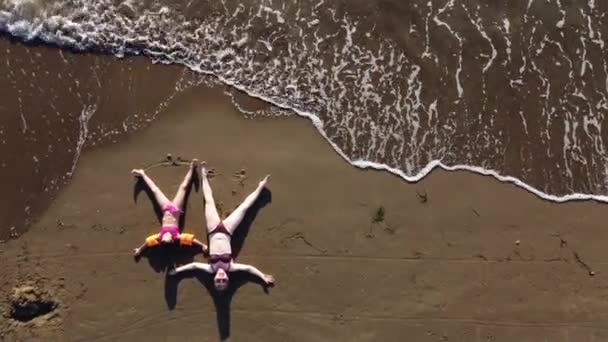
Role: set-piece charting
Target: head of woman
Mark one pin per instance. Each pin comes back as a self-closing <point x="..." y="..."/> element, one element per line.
<point x="220" y="280"/>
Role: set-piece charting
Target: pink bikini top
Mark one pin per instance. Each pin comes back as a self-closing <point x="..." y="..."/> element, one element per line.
<point x="174" y="210"/>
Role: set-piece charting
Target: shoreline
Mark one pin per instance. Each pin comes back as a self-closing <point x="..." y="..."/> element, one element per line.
<point x="93" y="100"/>
<point x="18" y="222"/>
<point x="424" y="172"/>
<point x="306" y="93"/>
<point x="470" y="259"/>
<point x="161" y="55"/>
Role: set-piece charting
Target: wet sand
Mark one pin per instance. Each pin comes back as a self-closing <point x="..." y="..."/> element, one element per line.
<point x="55" y="104"/>
<point x="456" y="257"/>
<point x="519" y="90"/>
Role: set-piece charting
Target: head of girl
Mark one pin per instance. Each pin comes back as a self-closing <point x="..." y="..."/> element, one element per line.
<point x="220" y="280"/>
<point x="166" y="238"/>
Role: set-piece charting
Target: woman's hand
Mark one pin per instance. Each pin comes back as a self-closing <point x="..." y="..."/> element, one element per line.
<point x="264" y="182"/>
<point x="269" y="279"/>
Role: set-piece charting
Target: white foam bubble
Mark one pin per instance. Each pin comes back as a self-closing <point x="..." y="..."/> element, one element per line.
<point x="83" y="133"/>
<point x="387" y="84"/>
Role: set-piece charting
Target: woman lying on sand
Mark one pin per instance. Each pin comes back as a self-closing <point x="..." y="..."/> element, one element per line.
<point x="169" y="232"/>
<point x="220" y="233"/>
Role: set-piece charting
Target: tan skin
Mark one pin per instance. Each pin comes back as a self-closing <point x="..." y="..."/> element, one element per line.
<point x="169" y="219"/>
<point x="220" y="243"/>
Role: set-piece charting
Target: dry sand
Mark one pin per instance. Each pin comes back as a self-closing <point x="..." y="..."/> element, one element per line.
<point x="456" y="257"/>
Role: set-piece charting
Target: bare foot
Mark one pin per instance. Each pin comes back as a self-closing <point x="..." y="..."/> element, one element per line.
<point x="195" y="164"/>
<point x="264" y="181"/>
<point x="138" y="172"/>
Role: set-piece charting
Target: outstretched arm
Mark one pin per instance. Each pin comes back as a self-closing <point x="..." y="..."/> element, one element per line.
<point x="151" y="241"/>
<point x="192" y="266"/>
<point x="267" y="278"/>
<point x="137" y="251"/>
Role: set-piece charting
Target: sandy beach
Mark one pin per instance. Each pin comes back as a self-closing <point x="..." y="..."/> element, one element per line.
<point x="91" y="90"/>
<point x="357" y="255"/>
<point x="54" y="102"/>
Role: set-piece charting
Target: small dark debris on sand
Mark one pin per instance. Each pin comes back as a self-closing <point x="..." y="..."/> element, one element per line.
<point x="212" y="172"/>
<point x="475" y="212"/>
<point x="379" y="220"/>
<point x="481" y="256"/>
<point x="240" y="177"/>
<point x="562" y="242"/>
<point x="379" y="215"/>
<point x="422" y="195"/>
<point x="583" y="264"/>
<point x="13" y="233"/>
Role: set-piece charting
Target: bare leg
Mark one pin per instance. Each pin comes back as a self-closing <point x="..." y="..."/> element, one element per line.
<point x="158" y="194"/>
<point x="211" y="215"/>
<point x="235" y="218"/>
<point x="178" y="200"/>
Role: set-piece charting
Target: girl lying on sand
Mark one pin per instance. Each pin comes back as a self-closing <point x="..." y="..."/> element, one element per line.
<point x="220" y="233"/>
<point x="169" y="232"/>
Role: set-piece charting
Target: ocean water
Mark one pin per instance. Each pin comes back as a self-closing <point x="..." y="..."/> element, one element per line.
<point x="517" y="90"/>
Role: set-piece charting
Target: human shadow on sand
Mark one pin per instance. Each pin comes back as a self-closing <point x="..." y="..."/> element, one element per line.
<point x="222" y="300"/>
